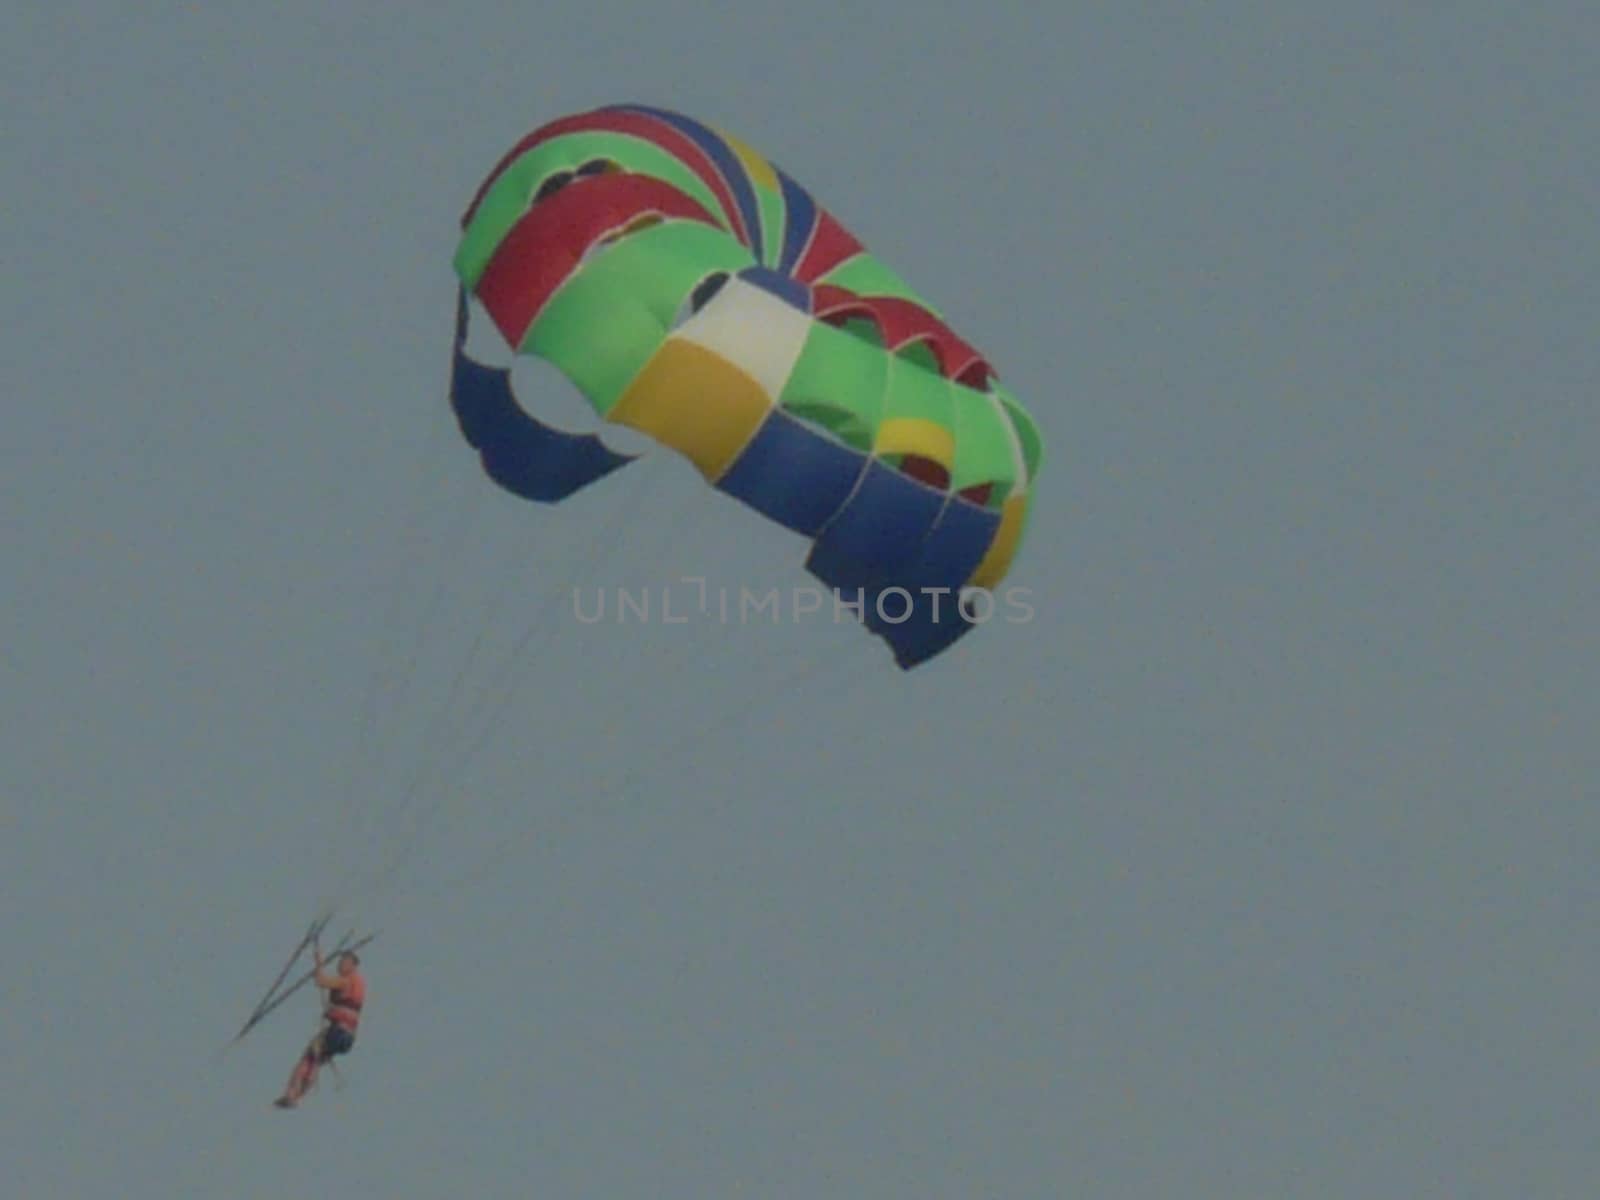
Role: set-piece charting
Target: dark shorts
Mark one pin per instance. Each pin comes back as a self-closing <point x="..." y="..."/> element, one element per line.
<point x="336" y="1040"/>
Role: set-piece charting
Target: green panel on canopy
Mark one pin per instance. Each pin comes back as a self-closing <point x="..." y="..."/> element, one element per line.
<point x="985" y="451"/>
<point x="1027" y="432"/>
<point x="603" y="324"/>
<point x="839" y="381"/>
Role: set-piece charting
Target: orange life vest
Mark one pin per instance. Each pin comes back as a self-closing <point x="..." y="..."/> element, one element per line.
<point x="345" y="1001"/>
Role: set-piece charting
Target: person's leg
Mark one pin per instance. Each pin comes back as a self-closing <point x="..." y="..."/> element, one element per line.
<point x="304" y="1075"/>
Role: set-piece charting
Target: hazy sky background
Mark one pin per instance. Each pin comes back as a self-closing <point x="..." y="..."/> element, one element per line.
<point x="1261" y="863"/>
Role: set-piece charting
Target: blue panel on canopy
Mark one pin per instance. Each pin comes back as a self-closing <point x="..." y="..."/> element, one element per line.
<point x="521" y="454"/>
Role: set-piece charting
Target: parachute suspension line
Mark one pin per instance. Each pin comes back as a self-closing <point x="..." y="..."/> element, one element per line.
<point x="628" y="680"/>
<point x="743" y="706"/>
<point x="407" y="568"/>
<point x="730" y="721"/>
<point x="495" y="698"/>
<point x="661" y="759"/>
<point x="429" y="791"/>
<point x="439" y="732"/>
<point x="620" y="698"/>
<point x="631" y="680"/>
<point x="366" y="758"/>
<point x="361" y="818"/>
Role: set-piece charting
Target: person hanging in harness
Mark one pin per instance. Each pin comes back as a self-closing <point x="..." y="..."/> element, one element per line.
<point x="347" y="992"/>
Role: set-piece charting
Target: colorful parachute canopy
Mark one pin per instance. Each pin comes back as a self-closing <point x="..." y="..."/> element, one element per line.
<point x="695" y="292"/>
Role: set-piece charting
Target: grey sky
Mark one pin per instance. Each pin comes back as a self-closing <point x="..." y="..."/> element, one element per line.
<point x="1261" y="863"/>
